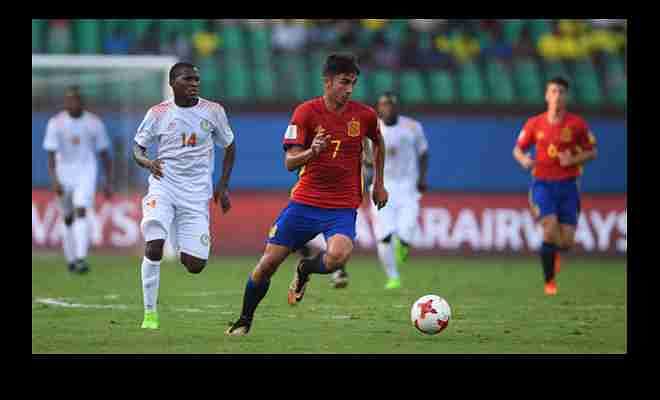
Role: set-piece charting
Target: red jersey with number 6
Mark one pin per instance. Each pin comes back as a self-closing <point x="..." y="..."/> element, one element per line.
<point x="334" y="178"/>
<point x="572" y="134"/>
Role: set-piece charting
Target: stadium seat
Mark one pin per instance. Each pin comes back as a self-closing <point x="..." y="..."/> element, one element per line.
<point x="380" y="82"/>
<point x="210" y="71"/>
<point x="168" y="27"/>
<point x="538" y="27"/>
<point x="554" y="69"/>
<point x="412" y="87"/>
<point x="500" y="84"/>
<point x="616" y="79"/>
<point x="511" y="29"/>
<point x="88" y="36"/>
<point x="395" y="31"/>
<point x="232" y="37"/>
<point x="587" y="84"/>
<point x="264" y="80"/>
<point x="471" y="84"/>
<point x="360" y="91"/>
<point x="150" y="89"/>
<point x="442" y="87"/>
<point x="237" y="78"/>
<point x="316" y="60"/>
<point x="37" y="35"/>
<point x="528" y="82"/>
<point x="260" y="43"/>
<point x="140" y="27"/>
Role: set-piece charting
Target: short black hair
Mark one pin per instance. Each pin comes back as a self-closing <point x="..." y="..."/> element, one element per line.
<point x="174" y="71"/>
<point x="73" y="90"/>
<point x="558" y="80"/>
<point x="391" y="96"/>
<point x="337" y="64"/>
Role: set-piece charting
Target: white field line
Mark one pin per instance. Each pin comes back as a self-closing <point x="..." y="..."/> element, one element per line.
<point x="56" y="302"/>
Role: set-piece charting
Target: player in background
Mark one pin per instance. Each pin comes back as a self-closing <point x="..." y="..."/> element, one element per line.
<point x="324" y="139"/>
<point x="563" y="143"/>
<point x="73" y="137"/>
<point x="405" y="180"/>
<point x="186" y="129"/>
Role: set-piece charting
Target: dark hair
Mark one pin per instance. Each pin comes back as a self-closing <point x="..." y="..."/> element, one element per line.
<point x="337" y="64"/>
<point x="558" y="80"/>
<point x="393" y="98"/>
<point x="174" y="71"/>
<point x="73" y="90"/>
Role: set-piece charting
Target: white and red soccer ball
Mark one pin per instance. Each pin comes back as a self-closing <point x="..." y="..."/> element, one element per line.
<point x="430" y="314"/>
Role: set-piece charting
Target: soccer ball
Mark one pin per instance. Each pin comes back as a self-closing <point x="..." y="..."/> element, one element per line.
<point x="430" y="314"/>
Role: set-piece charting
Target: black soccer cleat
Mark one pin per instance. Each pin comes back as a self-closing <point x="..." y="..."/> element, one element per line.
<point x="71" y="267"/>
<point x="82" y="267"/>
<point x="239" y="328"/>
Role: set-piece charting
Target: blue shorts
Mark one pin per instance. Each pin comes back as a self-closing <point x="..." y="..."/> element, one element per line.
<point x="298" y="223"/>
<point x="561" y="198"/>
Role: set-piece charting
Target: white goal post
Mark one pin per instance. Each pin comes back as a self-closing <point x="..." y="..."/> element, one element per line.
<point x="111" y="62"/>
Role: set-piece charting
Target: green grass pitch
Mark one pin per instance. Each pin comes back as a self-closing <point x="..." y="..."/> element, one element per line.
<point x="498" y="307"/>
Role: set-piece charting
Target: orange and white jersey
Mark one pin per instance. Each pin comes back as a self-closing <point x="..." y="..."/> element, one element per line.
<point x="75" y="142"/>
<point x="404" y="143"/>
<point x="185" y="137"/>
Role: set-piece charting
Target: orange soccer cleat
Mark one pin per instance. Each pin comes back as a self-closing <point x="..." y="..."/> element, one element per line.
<point x="551" y="288"/>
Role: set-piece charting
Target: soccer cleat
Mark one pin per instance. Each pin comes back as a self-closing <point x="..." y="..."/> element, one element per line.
<point x="550" y="288"/>
<point x="339" y="279"/>
<point x="239" y="328"/>
<point x="151" y="320"/>
<point x="71" y="267"/>
<point x="298" y="285"/>
<point x="82" y="267"/>
<point x="394" y="283"/>
<point x="400" y="251"/>
<point x="557" y="263"/>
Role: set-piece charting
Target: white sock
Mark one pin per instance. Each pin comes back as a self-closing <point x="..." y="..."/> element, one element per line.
<point x="68" y="243"/>
<point x="150" y="283"/>
<point x="82" y="237"/>
<point x="386" y="256"/>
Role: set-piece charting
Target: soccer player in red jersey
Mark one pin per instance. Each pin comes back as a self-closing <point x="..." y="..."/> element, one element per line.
<point x="324" y="141"/>
<point x="563" y="144"/>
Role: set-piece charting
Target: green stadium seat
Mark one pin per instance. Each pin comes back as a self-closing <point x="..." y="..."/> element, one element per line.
<point x="211" y="82"/>
<point x="293" y="79"/>
<point x="88" y="36"/>
<point x="233" y="38"/>
<point x="38" y="35"/>
<point x="528" y="82"/>
<point x="512" y="29"/>
<point x="196" y="25"/>
<point x="260" y="43"/>
<point x="360" y="91"/>
<point x="615" y="76"/>
<point x="264" y="80"/>
<point x="412" y="87"/>
<point x="169" y="27"/>
<point x="539" y="27"/>
<point x="59" y="45"/>
<point x="500" y="84"/>
<point x="442" y="87"/>
<point x="380" y="82"/>
<point x="395" y="31"/>
<point x="553" y="69"/>
<point x="149" y="90"/>
<point x="471" y="84"/>
<point x="237" y="78"/>
<point x="316" y="60"/>
<point x="140" y="27"/>
<point x="587" y="84"/>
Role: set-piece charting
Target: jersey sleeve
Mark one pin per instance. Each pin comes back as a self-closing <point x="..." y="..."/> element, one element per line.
<point x="526" y="136"/>
<point x="373" y="128"/>
<point x="298" y="129"/>
<point x="586" y="139"/>
<point x="102" y="141"/>
<point x="421" y="144"/>
<point x="50" y="140"/>
<point x="146" y="132"/>
<point x="223" y="135"/>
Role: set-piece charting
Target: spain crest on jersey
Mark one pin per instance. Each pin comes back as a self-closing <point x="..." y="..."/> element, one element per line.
<point x="353" y="128"/>
<point x="566" y="135"/>
<point x="205" y="125"/>
<point x="539" y="135"/>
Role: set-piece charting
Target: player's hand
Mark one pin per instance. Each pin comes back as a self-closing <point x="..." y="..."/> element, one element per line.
<point x="156" y="168"/>
<point x="527" y="162"/>
<point x="57" y="188"/>
<point x="319" y="144"/>
<point x="107" y="190"/>
<point x="379" y="196"/>
<point x="222" y="194"/>
<point x="422" y="186"/>
<point x="566" y="159"/>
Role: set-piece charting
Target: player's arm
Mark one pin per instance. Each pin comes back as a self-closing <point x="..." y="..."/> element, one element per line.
<point x="222" y="187"/>
<point x="423" y="163"/>
<point x="587" y="151"/>
<point x="524" y="159"/>
<point x="296" y="156"/>
<point x="57" y="187"/>
<point x="379" y="193"/>
<point x="140" y="157"/>
<point x="525" y="140"/>
<point x="107" y="166"/>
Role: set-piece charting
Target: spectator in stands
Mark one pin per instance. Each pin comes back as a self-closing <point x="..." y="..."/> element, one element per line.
<point x="347" y="35"/>
<point x="177" y="44"/>
<point x="385" y="55"/>
<point x="118" y="42"/>
<point x="322" y="34"/>
<point x="525" y="47"/>
<point x="59" y="36"/>
<point x="150" y="43"/>
<point x="206" y="42"/>
<point x="549" y="45"/>
<point x="289" y="36"/>
<point x="465" y="47"/>
<point x="498" y="47"/>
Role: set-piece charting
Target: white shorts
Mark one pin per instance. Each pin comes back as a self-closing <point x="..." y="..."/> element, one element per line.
<point x="398" y="217"/>
<point x="162" y="212"/>
<point x="80" y="195"/>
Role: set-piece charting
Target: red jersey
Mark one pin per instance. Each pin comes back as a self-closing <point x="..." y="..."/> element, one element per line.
<point x="572" y="133"/>
<point x="334" y="178"/>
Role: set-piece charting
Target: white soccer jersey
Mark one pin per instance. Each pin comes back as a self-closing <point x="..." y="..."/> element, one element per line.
<point x="75" y="142"/>
<point x="185" y="137"/>
<point x="404" y="143"/>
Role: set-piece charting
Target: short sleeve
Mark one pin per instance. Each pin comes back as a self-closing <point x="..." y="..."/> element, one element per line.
<point x="373" y="127"/>
<point x="223" y="136"/>
<point x="421" y="145"/>
<point x="526" y="136"/>
<point x="586" y="139"/>
<point x="102" y="141"/>
<point x="50" y="140"/>
<point x="297" y="131"/>
<point x="146" y="132"/>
